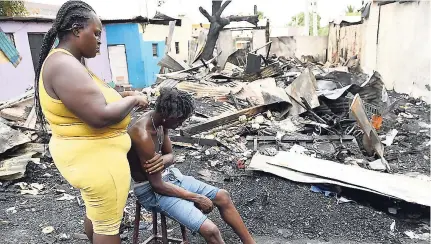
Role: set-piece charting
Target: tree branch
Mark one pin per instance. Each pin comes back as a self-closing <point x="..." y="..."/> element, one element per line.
<point x="222" y="8"/>
<point x="216" y="6"/>
<point x="254" y="19"/>
<point x="223" y="22"/>
<point x="206" y="14"/>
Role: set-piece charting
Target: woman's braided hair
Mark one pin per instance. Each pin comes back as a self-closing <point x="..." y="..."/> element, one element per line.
<point x="175" y="104"/>
<point x="72" y="13"/>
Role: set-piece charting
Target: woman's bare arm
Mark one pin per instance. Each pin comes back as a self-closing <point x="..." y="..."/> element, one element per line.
<point x="80" y="94"/>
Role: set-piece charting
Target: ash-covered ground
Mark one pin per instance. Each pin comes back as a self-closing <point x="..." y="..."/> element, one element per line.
<point x="274" y="209"/>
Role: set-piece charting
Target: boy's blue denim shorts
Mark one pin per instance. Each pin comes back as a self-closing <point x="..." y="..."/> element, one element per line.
<point x="180" y="210"/>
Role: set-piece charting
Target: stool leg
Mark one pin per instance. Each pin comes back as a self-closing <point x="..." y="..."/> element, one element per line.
<point x="154" y="223"/>
<point x="136" y="223"/>
<point x="164" y="229"/>
<point x="184" y="234"/>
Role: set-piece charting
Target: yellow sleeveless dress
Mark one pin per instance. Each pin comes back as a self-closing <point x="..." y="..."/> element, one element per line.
<point x="92" y="160"/>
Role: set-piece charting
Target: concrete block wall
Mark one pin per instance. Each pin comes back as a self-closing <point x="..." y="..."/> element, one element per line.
<point x="398" y="46"/>
<point x="296" y="46"/>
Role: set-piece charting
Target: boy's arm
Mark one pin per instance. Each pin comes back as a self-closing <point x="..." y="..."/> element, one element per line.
<point x="160" y="162"/>
<point x="168" y="155"/>
<point x="145" y="149"/>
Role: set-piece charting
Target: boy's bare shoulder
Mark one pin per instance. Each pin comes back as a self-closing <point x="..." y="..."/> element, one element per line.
<point x="138" y="124"/>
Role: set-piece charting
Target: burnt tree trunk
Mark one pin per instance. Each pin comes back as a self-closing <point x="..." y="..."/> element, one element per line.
<point x="218" y="23"/>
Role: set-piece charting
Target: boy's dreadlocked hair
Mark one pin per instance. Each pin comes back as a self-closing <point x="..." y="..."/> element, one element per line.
<point x="173" y="103"/>
<point x="71" y="13"/>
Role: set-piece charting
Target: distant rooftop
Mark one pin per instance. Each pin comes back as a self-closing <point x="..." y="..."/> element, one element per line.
<point x="347" y="20"/>
<point x="27" y="19"/>
<point x="41" y="9"/>
<point x="137" y="19"/>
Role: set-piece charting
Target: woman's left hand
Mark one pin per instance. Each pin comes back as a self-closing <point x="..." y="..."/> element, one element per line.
<point x="154" y="165"/>
<point x="131" y="93"/>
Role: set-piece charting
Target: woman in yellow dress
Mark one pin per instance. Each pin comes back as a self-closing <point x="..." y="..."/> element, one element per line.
<point x="88" y="119"/>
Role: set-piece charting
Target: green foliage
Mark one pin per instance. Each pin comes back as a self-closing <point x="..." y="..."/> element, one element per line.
<point x="260" y="14"/>
<point x="299" y="20"/>
<point x="350" y="9"/>
<point x="323" y="31"/>
<point x="12" y="8"/>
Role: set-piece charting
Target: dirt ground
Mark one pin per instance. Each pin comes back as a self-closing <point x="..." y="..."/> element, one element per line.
<point x="274" y="209"/>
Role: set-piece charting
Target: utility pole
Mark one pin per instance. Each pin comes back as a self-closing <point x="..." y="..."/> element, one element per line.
<point x="307" y="18"/>
<point x="314" y="9"/>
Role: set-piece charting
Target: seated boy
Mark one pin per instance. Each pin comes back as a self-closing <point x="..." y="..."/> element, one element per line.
<point x="161" y="187"/>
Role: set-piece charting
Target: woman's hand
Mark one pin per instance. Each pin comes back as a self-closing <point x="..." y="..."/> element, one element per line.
<point x="131" y="93"/>
<point x="139" y="97"/>
<point x="154" y="165"/>
<point x="203" y="203"/>
<point x="142" y="100"/>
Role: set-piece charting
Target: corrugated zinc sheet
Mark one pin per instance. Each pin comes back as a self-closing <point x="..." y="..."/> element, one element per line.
<point x="203" y="90"/>
<point x="8" y="49"/>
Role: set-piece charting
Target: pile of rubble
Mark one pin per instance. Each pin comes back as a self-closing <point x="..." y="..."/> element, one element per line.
<point x="304" y="121"/>
<point x="301" y="120"/>
<point x="20" y="141"/>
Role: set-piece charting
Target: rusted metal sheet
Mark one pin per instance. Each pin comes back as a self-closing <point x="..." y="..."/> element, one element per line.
<point x="168" y="83"/>
<point x="371" y="136"/>
<point x="304" y="86"/>
<point x="204" y="90"/>
<point x="225" y="108"/>
<point x="172" y="63"/>
<point x="263" y="91"/>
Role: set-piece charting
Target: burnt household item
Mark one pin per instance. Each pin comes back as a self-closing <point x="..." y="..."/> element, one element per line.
<point x="155" y="237"/>
<point x="253" y="63"/>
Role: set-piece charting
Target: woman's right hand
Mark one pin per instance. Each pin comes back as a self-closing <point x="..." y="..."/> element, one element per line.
<point x="142" y="101"/>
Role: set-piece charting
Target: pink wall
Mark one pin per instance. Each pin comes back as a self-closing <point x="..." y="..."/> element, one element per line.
<point x="14" y="81"/>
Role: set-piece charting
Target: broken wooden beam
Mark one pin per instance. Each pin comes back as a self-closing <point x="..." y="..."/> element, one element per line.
<point x="10" y="138"/>
<point x="24" y="97"/>
<point x="14" y="114"/>
<point x="300" y="138"/>
<point x="15" y="168"/>
<point x="229" y="118"/>
<point x="194" y="140"/>
<point x="257" y="49"/>
<point x="36" y="148"/>
<point x="31" y="119"/>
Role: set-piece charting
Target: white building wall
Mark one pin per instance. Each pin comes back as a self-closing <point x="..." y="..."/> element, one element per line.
<point x="259" y="40"/>
<point x="182" y="34"/>
<point x="369" y="40"/>
<point x="225" y="44"/>
<point x="296" y="46"/>
<point x="400" y="51"/>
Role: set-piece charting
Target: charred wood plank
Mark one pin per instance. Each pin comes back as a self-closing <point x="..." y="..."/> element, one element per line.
<point x="229" y="118"/>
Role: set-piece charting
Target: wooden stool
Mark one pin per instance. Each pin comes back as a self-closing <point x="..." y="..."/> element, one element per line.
<point x="155" y="237"/>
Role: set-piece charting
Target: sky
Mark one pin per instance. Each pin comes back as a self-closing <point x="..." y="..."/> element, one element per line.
<point x="279" y="12"/>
